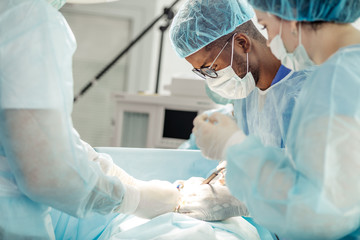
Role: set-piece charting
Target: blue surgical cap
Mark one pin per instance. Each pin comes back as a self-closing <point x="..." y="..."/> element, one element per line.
<point x="200" y="22"/>
<point x="341" y="11"/>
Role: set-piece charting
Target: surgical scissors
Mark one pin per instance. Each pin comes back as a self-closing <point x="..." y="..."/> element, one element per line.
<point x="212" y="176"/>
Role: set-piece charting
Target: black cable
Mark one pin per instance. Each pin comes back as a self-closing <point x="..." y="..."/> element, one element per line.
<point x="170" y="16"/>
<point x="166" y="12"/>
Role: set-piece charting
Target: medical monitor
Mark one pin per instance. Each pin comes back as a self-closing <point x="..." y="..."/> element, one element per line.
<point x="155" y="121"/>
<point x="178" y="124"/>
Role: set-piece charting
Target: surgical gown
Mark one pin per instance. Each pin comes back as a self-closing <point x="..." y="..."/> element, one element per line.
<point x="310" y="190"/>
<point x="42" y="161"/>
<point x="265" y="113"/>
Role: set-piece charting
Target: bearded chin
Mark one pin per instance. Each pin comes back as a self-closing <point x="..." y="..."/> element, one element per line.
<point x="240" y="67"/>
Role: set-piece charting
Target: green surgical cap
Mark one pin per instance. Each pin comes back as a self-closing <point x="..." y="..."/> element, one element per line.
<point x="200" y="22"/>
<point x="341" y="11"/>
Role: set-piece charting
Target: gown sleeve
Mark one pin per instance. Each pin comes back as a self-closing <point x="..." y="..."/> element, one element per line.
<point x="45" y="154"/>
<point x="310" y="190"/>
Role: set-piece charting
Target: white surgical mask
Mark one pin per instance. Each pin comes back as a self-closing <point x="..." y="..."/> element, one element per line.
<point x="228" y="84"/>
<point x="298" y="60"/>
<point x="57" y="3"/>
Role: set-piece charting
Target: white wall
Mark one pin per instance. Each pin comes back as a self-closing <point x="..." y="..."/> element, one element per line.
<point x="102" y="32"/>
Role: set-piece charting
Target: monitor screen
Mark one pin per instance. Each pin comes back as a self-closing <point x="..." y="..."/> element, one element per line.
<point x="178" y="124"/>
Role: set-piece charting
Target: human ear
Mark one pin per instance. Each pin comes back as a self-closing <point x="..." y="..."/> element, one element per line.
<point x="243" y="41"/>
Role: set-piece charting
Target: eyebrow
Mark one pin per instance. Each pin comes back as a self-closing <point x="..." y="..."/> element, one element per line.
<point x="206" y="62"/>
<point x="205" y="65"/>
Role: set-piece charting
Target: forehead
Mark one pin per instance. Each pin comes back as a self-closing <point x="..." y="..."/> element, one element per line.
<point x="260" y="14"/>
<point x="264" y="16"/>
<point x="203" y="57"/>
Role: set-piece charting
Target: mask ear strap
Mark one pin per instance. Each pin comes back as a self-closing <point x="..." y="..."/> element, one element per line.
<point x="299" y="33"/>
<point x="232" y="50"/>
<point x="247" y="62"/>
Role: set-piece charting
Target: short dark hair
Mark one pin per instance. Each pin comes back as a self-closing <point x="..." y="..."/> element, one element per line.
<point x="247" y="28"/>
<point x="316" y="25"/>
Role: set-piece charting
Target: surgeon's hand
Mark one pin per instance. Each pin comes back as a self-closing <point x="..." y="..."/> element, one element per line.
<point x="145" y="199"/>
<point x="209" y="202"/>
<point x="156" y="198"/>
<point x="213" y="133"/>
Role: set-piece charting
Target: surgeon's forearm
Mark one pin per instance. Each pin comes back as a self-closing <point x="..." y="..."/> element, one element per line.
<point x="52" y="168"/>
<point x="280" y="199"/>
<point x="301" y="199"/>
<point x="108" y="166"/>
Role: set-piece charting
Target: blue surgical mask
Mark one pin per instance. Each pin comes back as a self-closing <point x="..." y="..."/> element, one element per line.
<point x="57" y="3"/>
<point x="298" y="60"/>
<point x="228" y="84"/>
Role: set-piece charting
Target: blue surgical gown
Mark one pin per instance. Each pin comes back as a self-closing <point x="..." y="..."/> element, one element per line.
<point x="311" y="189"/>
<point x="42" y="161"/>
<point x="265" y="113"/>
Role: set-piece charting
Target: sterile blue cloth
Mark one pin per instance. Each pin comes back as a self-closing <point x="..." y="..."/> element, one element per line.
<point x="342" y="11"/>
<point x="43" y="163"/>
<point x="174" y="226"/>
<point x="162" y="164"/>
<point x="95" y="226"/>
<point x="310" y="190"/>
<point x="200" y="22"/>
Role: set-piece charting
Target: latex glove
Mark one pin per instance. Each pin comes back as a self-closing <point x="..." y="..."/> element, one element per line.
<point x="149" y="199"/>
<point x="156" y="198"/>
<point x="180" y="184"/>
<point x="210" y="202"/>
<point x="213" y="133"/>
<point x="145" y="199"/>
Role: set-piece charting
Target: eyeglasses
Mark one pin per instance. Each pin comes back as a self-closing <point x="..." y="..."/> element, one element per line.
<point x="209" y="71"/>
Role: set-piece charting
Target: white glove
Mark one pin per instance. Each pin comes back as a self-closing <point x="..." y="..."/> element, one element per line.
<point x="212" y="134"/>
<point x="148" y="199"/>
<point x="156" y="198"/>
<point x="209" y="202"/>
<point x="145" y="199"/>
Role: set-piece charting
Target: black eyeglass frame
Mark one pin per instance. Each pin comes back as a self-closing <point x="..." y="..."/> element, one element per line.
<point x="209" y="71"/>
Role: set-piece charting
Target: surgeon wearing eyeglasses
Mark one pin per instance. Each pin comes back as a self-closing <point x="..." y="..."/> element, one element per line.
<point x="238" y="68"/>
<point x="310" y="190"/>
